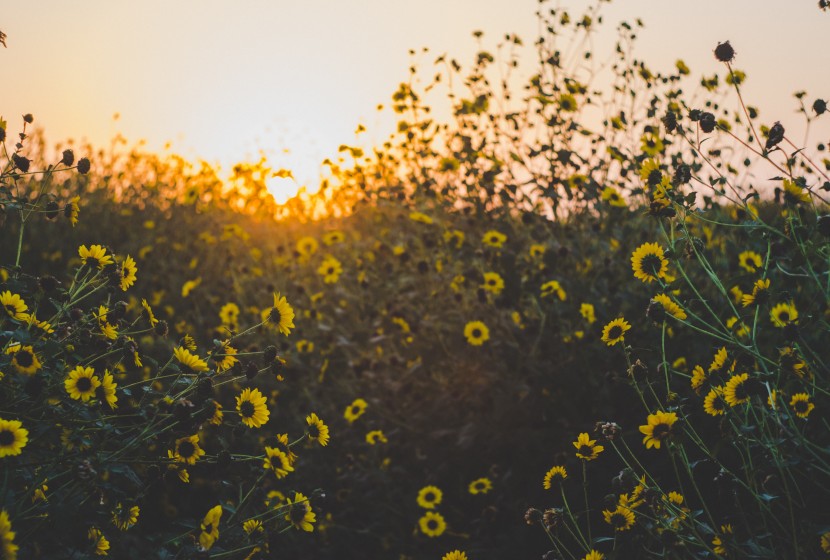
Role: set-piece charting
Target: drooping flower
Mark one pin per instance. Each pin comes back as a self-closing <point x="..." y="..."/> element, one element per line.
<point x="670" y="307"/>
<point x="72" y="210"/>
<point x="106" y="392"/>
<point x="557" y="473"/>
<point x="658" y="428"/>
<point x="553" y="287"/>
<point x="252" y="407"/>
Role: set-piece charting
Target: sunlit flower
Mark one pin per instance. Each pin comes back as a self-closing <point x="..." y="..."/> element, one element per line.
<point x="587" y="448"/>
<point x="376" y="436"/>
<point x="99" y="541"/>
<point x="306" y="246"/>
<point x="13" y="437"/>
<point x="429" y="497"/>
<point x="355" y="410"/>
<point x="420" y="217"/>
<point x="95" y="256"/>
<point x="648" y="262"/>
<point x="81" y="383"/>
<point x="187" y="450"/>
<point x="480" y="486"/>
<point x="24" y="358"/>
<point x="188" y="360"/>
<point x="614" y="331"/>
<point x="281" y="315"/>
<point x="658" y="428"/>
<point x="14" y="306"/>
<point x="801" y="405"/>
<point x="557" y="473"/>
<point x="252" y="407"/>
<point x="210" y="527"/>
<point x="317" y="429"/>
<point x="333" y="237"/>
<point x="494" y="239"/>
<point x="783" y="314"/>
<point x="476" y="333"/>
<point x="432" y="524"/>
<point x="794" y="193"/>
<point x="299" y="513"/>
<point x="124" y="517"/>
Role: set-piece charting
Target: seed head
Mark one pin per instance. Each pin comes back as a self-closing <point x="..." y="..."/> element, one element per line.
<point x="724" y="52"/>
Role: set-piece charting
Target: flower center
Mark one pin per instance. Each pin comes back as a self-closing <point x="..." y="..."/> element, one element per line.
<point x="651" y="264"/>
<point x="585" y="450"/>
<point x="314" y="431"/>
<point x="661" y="431"/>
<point x="24" y="358"/>
<point x="84" y="384"/>
<point x="615" y="332"/>
<point x="275" y="316"/>
<point x="187" y="449"/>
<point x="247" y="409"/>
<point x="476" y="333"/>
<point x="6" y="438"/>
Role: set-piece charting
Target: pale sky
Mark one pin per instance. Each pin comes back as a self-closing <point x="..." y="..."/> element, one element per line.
<point x="222" y="80"/>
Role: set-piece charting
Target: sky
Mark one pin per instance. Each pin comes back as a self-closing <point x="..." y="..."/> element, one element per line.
<point x="223" y="81"/>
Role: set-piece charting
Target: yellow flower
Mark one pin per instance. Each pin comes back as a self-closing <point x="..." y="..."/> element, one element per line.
<point x="95" y="256"/>
<point x="190" y="285"/>
<point x="783" y="314"/>
<point x="355" y="410"/>
<point x="476" y="333"/>
<point x="252" y="407"/>
<point x="107" y="390"/>
<point x="648" y="262"/>
<point x="801" y="405"/>
<point x="376" y="436"/>
<point x="613" y="197"/>
<point x="330" y="270"/>
<point x="210" y="527"/>
<point x="14" y="306"/>
<point x="750" y="261"/>
<point x="553" y="287"/>
<point x="188" y="360"/>
<point x="81" y="383"/>
<point x="317" y="429"/>
<point x="299" y="513"/>
<point x="227" y="358"/>
<point x="420" y="217"/>
<point x="72" y="210"/>
<point x="670" y="307"/>
<point x="24" y="358"/>
<point x="334" y="237"/>
<point x="432" y="524"/>
<point x="494" y="238"/>
<point x="621" y="518"/>
<point x="307" y="246"/>
<point x="480" y="486"/>
<point x="123" y="517"/>
<point x="586" y="448"/>
<point x="493" y="282"/>
<point x="13" y="438"/>
<point x="252" y="526"/>
<point x="760" y="293"/>
<point x="281" y="315"/>
<point x="100" y="542"/>
<point x="187" y="450"/>
<point x="455" y="555"/>
<point x="429" y="497"/>
<point x="555" y="473"/>
<point x="614" y="331"/>
<point x="594" y="555"/>
<point x="714" y="404"/>
<point x="277" y="461"/>
<point x="587" y="312"/>
<point x="735" y="392"/>
<point x="658" y="428"/>
<point x="128" y="273"/>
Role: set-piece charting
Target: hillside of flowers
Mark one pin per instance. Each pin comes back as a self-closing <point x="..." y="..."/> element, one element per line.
<point x="587" y="319"/>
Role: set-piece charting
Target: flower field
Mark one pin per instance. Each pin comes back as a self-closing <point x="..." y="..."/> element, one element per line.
<point x="585" y="320"/>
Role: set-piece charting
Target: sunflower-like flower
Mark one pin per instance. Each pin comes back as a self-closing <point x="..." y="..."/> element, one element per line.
<point x="432" y="524"/>
<point x="493" y="238"/>
<point x="557" y="473"/>
<point x="588" y="313"/>
<point x="493" y="282"/>
<point x="553" y="287"/>
<point x="299" y="513"/>
<point x="613" y="197"/>
<point x="794" y="193"/>
<point x="587" y="448"/>
<point x="252" y="407"/>
<point x="476" y="333"/>
<point x="650" y="172"/>
<point x="13" y="437"/>
<point x="801" y="405"/>
<point x="317" y="430"/>
<point x="306" y="246"/>
<point x="330" y="269"/>
<point x="281" y="315"/>
<point x="480" y="486"/>
<point x="783" y="314"/>
<point x="226" y="359"/>
<point x="187" y="450"/>
<point x="24" y="358"/>
<point x="594" y="555"/>
<point x="14" y="306"/>
<point x="72" y="210"/>
<point x="7" y="547"/>
<point x="714" y="404"/>
<point x="670" y="307"/>
<point x="81" y="383"/>
<point x="750" y="261"/>
<point x="251" y="526"/>
<point x="719" y="541"/>
<point x="735" y="391"/>
<point x="210" y="527"/>
<point x="759" y="295"/>
<point x="698" y="378"/>
<point x="376" y="436"/>
<point x="106" y="392"/>
<point x="455" y="555"/>
<point x="429" y="497"/>
<point x="125" y="517"/>
<point x="107" y="329"/>
<point x="128" y="273"/>
<point x="355" y="410"/>
<point x="621" y="518"/>
<point x="100" y="544"/>
<point x="189" y="360"/>
<point x="658" y="428"/>
<point x="229" y="315"/>
<point x="277" y="461"/>
<point x="614" y="331"/>
<point x="649" y="263"/>
<point x="94" y="256"/>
